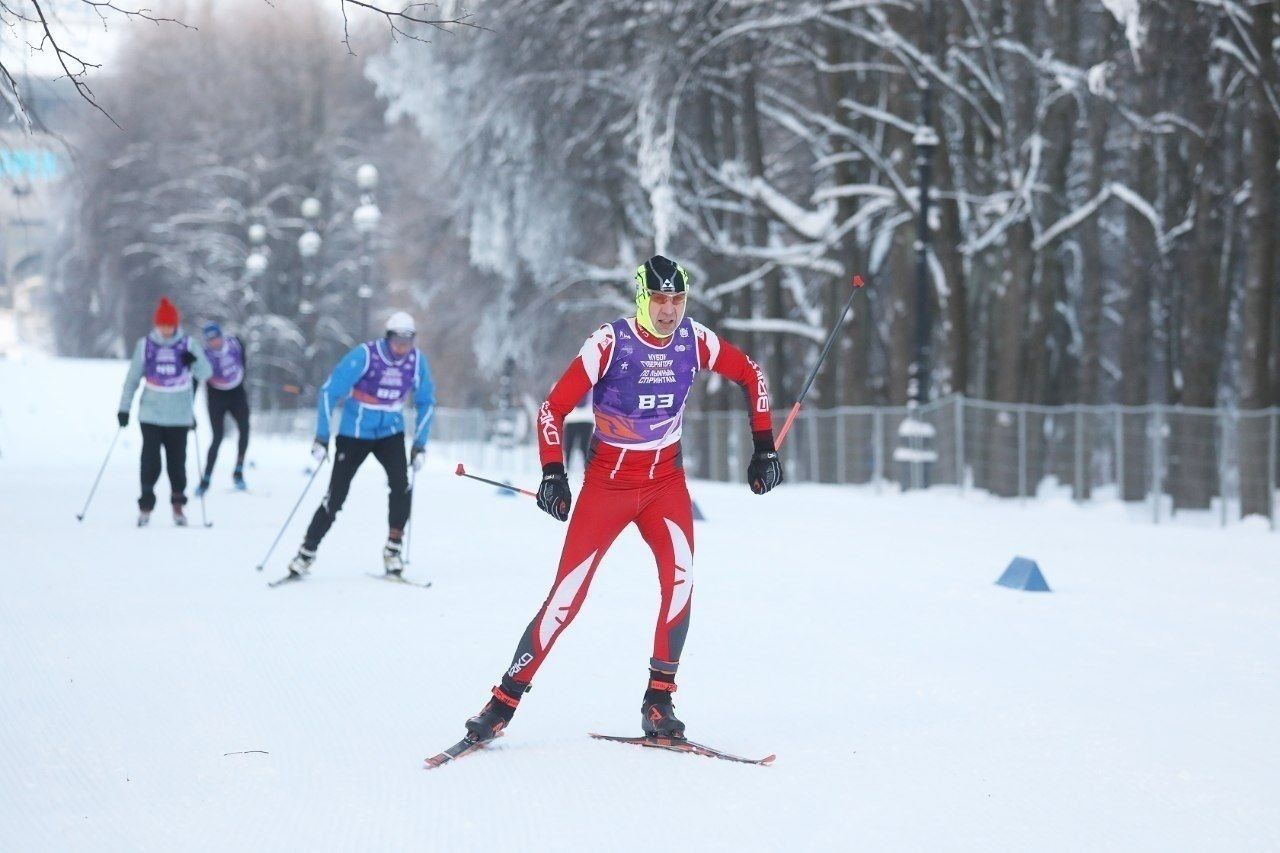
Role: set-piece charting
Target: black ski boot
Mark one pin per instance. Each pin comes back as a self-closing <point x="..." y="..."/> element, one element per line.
<point x="179" y="517"/>
<point x="237" y="477"/>
<point x="203" y="487"/>
<point x="494" y="716"/>
<point x="657" y="714"/>
<point x="144" y="518"/>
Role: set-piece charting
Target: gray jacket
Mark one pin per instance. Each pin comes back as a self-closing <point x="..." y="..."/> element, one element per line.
<point x="172" y="408"/>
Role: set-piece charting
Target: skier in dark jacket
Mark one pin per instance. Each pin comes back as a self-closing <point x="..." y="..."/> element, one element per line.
<point x="225" y="395"/>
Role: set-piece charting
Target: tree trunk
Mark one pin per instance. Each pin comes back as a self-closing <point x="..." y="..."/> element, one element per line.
<point x="1019" y="276"/>
<point x="1200" y="300"/>
<point x="1135" y="347"/>
<point x="947" y="243"/>
<point x="1092" y="286"/>
<point x="1260" y="275"/>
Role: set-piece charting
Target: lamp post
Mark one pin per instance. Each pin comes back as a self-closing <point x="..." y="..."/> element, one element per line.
<point x="365" y="218"/>
<point x="256" y="262"/>
<point x="308" y="247"/>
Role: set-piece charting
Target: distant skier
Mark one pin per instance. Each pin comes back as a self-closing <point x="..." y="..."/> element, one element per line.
<point x="639" y="371"/>
<point x="170" y="363"/>
<point x="225" y="395"/>
<point x="372" y="383"/>
<point x="579" y="425"/>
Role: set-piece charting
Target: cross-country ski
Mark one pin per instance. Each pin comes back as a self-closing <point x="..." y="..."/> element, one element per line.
<point x="684" y="745"/>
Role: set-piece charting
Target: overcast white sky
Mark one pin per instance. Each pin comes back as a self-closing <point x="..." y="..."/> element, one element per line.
<point x="82" y="32"/>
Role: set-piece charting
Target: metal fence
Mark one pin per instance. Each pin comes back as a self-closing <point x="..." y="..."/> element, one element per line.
<point x="1173" y="459"/>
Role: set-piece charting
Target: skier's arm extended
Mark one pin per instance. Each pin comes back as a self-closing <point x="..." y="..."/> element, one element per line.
<point x="424" y="401"/>
<point x="717" y="354"/>
<point x="337" y="387"/>
<point x="583" y="373"/>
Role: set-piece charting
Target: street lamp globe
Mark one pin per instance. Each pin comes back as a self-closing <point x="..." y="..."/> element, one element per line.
<point x="311" y="207"/>
<point x="364" y="292"/>
<point x="256" y="263"/>
<point x="367" y="177"/>
<point x="366" y="217"/>
<point x="257" y="233"/>
<point x="309" y="244"/>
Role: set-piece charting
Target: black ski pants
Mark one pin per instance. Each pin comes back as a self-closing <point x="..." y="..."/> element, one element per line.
<point x="577" y="436"/>
<point x="234" y="402"/>
<point x="349" y="455"/>
<point x="174" y="441"/>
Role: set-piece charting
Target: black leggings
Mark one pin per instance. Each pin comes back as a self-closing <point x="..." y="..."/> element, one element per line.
<point x="577" y="436"/>
<point x="174" y="441"/>
<point x="349" y="454"/>
<point x="222" y="403"/>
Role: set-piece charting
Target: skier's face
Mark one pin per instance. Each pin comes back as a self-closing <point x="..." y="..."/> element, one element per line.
<point x="666" y="310"/>
<point x="166" y="331"/>
<point x="400" y="344"/>
<point x="214" y="343"/>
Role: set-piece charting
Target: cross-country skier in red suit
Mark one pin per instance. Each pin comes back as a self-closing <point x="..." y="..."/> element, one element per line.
<point x="639" y="371"/>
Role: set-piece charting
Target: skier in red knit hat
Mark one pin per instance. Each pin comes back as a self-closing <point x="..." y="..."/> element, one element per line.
<point x="170" y="363"/>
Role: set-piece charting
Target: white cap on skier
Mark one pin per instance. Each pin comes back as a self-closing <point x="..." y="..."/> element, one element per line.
<point x="401" y="323"/>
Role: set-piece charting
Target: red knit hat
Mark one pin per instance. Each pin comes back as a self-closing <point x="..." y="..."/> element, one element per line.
<point x="166" y="313"/>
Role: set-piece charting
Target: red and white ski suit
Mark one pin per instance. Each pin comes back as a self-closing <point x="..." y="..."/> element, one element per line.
<point x="632" y="477"/>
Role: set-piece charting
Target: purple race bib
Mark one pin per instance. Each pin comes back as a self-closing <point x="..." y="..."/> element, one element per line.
<point x="385" y="385"/>
<point x="639" y="402"/>
<point x="227" y="363"/>
<point x="163" y="367"/>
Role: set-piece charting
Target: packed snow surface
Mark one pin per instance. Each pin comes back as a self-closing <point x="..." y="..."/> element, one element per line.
<point x="156" y="695"/>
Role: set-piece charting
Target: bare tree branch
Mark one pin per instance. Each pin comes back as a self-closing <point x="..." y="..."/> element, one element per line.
<point x="144" y="14"/>
<point x="63" y="55"/>
<point x="412" y="16"/>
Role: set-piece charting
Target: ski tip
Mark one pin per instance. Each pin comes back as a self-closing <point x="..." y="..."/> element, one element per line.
<point x="460" y="470"/>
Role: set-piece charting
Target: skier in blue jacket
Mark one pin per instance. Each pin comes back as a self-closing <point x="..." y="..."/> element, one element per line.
<point x="372" y="384"/>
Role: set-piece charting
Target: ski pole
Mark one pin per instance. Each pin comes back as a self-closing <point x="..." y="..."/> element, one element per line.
<point x="408" y="531"/>
<point x="98" y="479"/>
<point x="462" y="472"/>
<point x="305" y="489"/>
<point x="795" y="409"/>
<point x="195" y="435"/>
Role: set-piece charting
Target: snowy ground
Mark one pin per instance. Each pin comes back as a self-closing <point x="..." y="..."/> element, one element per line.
<point x="912" y="703"/>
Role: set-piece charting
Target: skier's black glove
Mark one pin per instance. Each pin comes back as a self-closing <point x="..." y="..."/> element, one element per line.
<point x="122" y="418"/>
<point x="188" y="358"/>
<point x="554" y="497"/>
<point x="418" y="457"/>
<point x="764" y="472"/>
